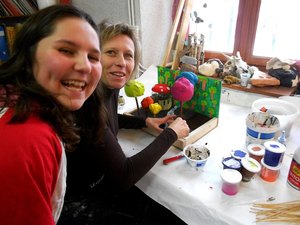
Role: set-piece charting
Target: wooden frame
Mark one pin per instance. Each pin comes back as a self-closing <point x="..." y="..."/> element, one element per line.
<point x="194" y="135"/>
<point x="183" y="12"/>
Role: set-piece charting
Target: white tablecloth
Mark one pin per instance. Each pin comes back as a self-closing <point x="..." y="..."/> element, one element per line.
<point x="195" y="195"/>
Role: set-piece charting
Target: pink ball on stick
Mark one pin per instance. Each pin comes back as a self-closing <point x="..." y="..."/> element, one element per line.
<point x="182" y="90"/>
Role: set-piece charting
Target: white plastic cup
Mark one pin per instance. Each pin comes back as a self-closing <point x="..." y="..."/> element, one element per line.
<point x="245" y="78"/>
<point x="231" y="180"/>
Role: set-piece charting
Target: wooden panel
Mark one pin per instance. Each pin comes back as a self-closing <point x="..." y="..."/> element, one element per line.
<point x="173" y="32"/>
<point x="185" y="20"/>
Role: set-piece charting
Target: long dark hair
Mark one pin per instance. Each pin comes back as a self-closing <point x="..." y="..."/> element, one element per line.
<point x="17" y="79"/>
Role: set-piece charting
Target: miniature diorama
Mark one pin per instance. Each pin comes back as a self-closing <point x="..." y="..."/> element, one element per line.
<point x="193" y="97"/>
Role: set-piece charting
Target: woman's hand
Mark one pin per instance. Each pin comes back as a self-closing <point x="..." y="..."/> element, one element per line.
<point x="154" y="123"/>
<point x="180" y="127"/>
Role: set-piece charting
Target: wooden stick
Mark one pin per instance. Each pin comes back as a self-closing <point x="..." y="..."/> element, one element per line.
<point x="137" y="106"/>
<point x="181" y="109"/>
<point x="173" y="32"/>
<point x="185" y="20"/>
<point x="288" y="212"/>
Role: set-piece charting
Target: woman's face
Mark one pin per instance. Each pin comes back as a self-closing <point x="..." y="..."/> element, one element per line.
<point x="67" y="63"/>
<point x="117" y="61"/>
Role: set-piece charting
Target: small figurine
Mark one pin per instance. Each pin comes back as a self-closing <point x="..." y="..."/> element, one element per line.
<point x="235" y="66"/>
<point x="213" y="67"/>
<point x="155" y="108"/>
<point x="146" y="102"/>
<point x="161" y="94"/>
<point x="134" y="88"/>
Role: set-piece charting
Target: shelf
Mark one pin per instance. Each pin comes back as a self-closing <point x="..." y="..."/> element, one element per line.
<point x="269" y="91"/>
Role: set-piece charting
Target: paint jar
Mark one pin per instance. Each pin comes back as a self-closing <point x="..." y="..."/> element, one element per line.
<point x="269" y="173"/>
<point x="274" y="152"/>
<point x="250" y="167"/>
<point x="230" y="181"/>
<point x="239" y="154"/>
<point x="256" y="151"/>
<point x="245" y="78"/>
<point x="231" y="163"/>
<point x="261" y="127"/>
<point x="294" y="172"/>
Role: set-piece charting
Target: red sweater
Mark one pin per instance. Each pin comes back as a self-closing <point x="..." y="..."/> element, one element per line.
<point x="30" y="155"/>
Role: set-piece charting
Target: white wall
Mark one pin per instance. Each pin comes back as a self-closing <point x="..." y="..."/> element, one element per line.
<point x="154" y="19"/>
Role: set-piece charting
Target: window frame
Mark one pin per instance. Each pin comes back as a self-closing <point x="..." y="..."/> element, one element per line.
<point x="247" y="20"/>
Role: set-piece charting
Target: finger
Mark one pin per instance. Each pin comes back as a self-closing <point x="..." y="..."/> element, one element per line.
<point x="170" y="117"/>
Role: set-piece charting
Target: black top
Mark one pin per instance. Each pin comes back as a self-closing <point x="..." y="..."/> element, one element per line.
<point x="91" y="166"/>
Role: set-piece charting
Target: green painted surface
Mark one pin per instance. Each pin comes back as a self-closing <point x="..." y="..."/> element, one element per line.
<point x="207" y="92"/>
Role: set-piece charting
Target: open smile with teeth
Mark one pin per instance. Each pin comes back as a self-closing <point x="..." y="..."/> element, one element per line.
<point x="118" y="74"/>
<point x="74" y="84"/>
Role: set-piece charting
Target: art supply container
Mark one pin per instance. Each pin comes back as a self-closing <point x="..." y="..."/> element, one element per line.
<point x="239" y="154"/>
<point x="245" y="78"/>
<point x="269" y="173"/>
<point x="231" y="163"/>
<point x="285" y="111"/>
<point x="294" y="172"/>
<point x="230" y="181"/>
<point x="261" y="127"/>
<point x="274" y="152"/>
<point x="256" y="151"/>
<point x="250" y="167"/>
<point x="196" y="155"/>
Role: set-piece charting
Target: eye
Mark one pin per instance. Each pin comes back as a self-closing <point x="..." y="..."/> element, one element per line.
<point x="66" y="51"/>
<point x="110" y="53"/>
<point x="94" y="58"/>
<point x="129" y="56"/>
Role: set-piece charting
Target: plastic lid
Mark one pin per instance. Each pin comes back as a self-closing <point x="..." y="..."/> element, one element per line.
<point x="231" y="162"/>
<point x="274" y="146"/>
<point x="256" y="149"/>
<point x="251" y="165"/>
<point x="231" y="176"/>
<point x="239" y="154"/>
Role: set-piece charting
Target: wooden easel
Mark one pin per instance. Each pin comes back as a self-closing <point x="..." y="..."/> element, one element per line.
<point x="183" y="11"/>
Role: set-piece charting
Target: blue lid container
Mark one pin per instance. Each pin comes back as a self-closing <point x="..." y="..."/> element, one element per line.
<point x="231" y="163"/>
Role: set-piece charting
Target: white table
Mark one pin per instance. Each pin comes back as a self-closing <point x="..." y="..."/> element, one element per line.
<point x="195" y="195"/>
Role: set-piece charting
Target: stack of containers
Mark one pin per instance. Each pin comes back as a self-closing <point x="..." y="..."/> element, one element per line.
<point x="261" y="127"/>
<point x="272" y="160"/>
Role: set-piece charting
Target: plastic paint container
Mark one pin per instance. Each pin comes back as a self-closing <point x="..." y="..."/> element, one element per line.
<point x="294" y="172"/>
<point x="231" y="180"/>
<point x="256" y="151"/>
<point x="274" y="152"/>
<point x="269" y="173"/>
<point x="261" y="127"/>
<point x="250" y="167"/>
<point x="231" y="163"/>
<point x="239" y="154"/>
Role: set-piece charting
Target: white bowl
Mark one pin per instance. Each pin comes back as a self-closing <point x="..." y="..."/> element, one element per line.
<point x="285" y="111"/>
<point x="196" y="155"/>
<point x="295" y="100"/>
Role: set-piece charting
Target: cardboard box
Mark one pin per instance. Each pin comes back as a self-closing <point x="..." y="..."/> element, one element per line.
<point x="199" y="124"/>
